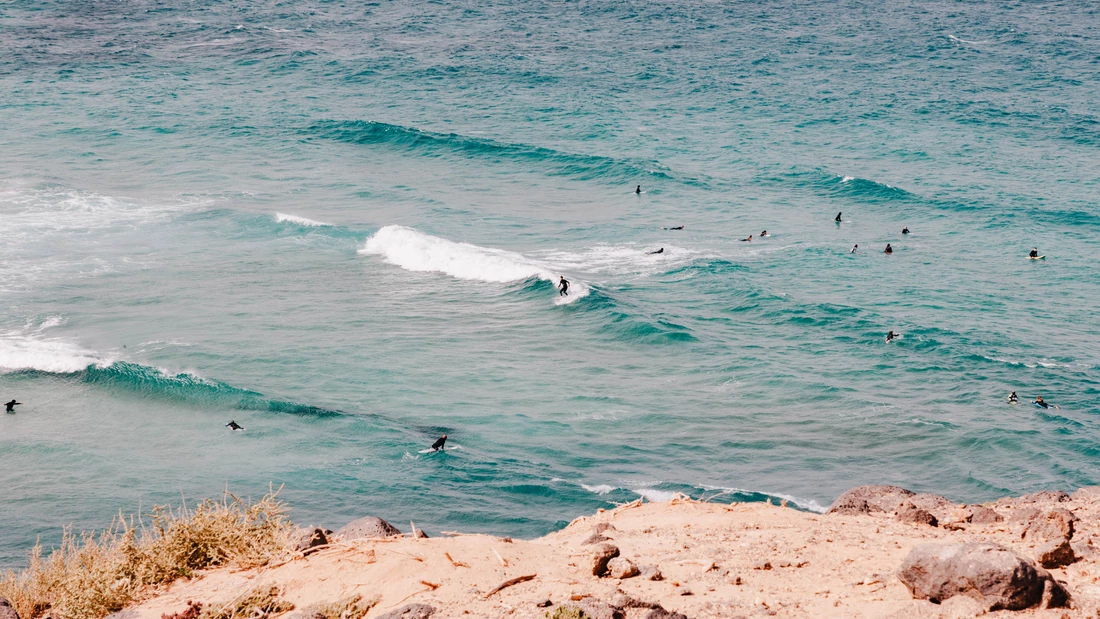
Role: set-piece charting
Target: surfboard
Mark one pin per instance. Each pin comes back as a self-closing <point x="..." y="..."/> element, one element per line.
<point x="1036" y="257"/>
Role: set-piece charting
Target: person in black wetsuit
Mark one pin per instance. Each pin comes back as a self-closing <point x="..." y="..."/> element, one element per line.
<point x="1039" y="402"/>
<point x="748" y="239"/>
<point x="905" y="230"/>
<point x="438" y="445"/>
<point x="891" y="336"/>
<point x="657" y="251"/>
<point x="838" y="217"/>
<point x="764" y="234"/>
<point x="1034" y="253"/>
<point x="10" y="406"/>
<point x="674" y="228"/>
<point x="563" y="285"/>
<point x="1012" y="398"/>
<point x="233" y="425"/>
<point x="638" y="190"/>
<point x="855" y="248"/>
<point x="888" y="250"/>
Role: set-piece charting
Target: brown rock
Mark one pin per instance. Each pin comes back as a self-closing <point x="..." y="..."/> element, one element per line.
<point x="601" y="555"/>
<point x="762" y="565"/>
<point x="595" y="538"/>
<point x="998" y="577"/>
<point x="622" y="600"/>
<point x="597" y="609"/>
<point x="980" y="514"/>
<point x="367" y="527"/>
<point x="621" y="567"/>
<point x="1056" y="524"/>
<point x="1056" y="554"/>
<point x="870" y="498"/>
<point x="660" y="613"/>
<point x="6" y="610"/>
<point x="907" y="512"/>
<point x="1026" y="514"/>
<point x="651" y="572"/>
<point x="603" y="526"/>
<point x="933" y="504"/>
<point x="412" y="611"/>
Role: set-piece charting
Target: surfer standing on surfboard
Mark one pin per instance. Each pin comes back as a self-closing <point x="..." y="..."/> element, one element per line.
<point x="10" y="406"/>
<point x="564" y="286"/>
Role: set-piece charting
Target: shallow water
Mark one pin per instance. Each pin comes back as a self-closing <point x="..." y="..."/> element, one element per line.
<point x="341" y="226"/>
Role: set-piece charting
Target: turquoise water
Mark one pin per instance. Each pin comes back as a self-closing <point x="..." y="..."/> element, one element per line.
<point x="340" y="225"/>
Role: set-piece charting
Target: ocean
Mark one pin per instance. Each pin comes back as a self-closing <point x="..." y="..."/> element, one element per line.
<point x="342" y="225"/>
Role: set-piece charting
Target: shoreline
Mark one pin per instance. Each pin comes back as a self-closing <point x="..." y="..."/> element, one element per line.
<point x="699" y="559"/>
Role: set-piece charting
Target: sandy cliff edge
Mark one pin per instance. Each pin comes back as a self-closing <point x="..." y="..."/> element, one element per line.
<point x="742" y="560"/>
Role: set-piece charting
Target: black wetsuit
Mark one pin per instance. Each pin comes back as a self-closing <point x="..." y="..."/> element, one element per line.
<point x="1033" y="254"/>
<point x="438" y="445"/>
<point x="659" y="251"/>
<point x="1041" y="403"/>
<point x="10" y="406"/>
<point x="888" y="250"/>
<point x="838" y="217"/>
<point x="233" y="425"/>
<point x="905" y="230"/>
<point x="677" y="228"/>
<point x="564" y="287"/>
<point x="638" y="190"/>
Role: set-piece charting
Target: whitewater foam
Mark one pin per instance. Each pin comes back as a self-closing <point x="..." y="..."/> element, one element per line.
<point x="19" y="351"/>
<point x="301" y="221"/>
<point x="413" y="250"/>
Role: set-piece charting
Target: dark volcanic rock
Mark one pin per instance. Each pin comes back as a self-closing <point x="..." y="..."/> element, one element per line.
<point x="992" y="574"/>
<point x="370" y="526"/>
<point x="1056" y="554"/>
<point x="907" y="512"/>
<point x="875" y="498"/>
<point x="412" y="611"/>
<point x="311" y="536"/>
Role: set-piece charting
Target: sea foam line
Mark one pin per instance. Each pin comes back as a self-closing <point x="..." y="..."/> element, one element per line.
<point x="413" y="250"/>
<point x="301" y="221"/>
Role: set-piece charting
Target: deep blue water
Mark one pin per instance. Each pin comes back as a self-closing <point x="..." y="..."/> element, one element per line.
<point x="341" y="225"/>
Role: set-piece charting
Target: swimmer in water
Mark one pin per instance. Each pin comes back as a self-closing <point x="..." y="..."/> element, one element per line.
<point x="674" y="228"/>
<point x="438" y="445"/>
<point x="1034" y="253"/>
<point x="838" y="217"/>
<point x="888" y="250"/>
<point x="638" y="190"/>
<point x="1012" y="399"/>
<point x="855" y="248"/>
<point x="233" y="425"/>
<point x="891" y="336"/>
<point x="905" y="230"/>
<point x="748" y="239"/>
<point x="764" y="234"/>
<point x="563" y="285"/>
<point x="10" y="406"/>
<point x="656" y="251"/>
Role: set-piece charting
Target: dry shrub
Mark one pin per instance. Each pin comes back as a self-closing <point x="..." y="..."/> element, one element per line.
<point x="353" y="607"/>
<point x="262" y="601"/>
<point x="90" y="576"/>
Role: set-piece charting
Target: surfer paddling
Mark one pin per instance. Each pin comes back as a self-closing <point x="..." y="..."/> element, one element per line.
<point x="674" y="228"/>
<point x="10" y="406"/>
<point x="656" y="251"/>
<point x="563" y="286"/>
<point x="438" y="445"/>
<point x="233" y="425"/>
<point x="891" y="336"/>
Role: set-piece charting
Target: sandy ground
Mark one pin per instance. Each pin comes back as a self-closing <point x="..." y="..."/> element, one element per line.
<point x="743" y="560"/>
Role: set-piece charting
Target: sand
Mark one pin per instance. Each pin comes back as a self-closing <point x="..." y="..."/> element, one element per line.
<point x="742" y="560"/>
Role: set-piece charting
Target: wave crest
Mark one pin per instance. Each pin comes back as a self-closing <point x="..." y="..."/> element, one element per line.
<point x="413" y="250"/>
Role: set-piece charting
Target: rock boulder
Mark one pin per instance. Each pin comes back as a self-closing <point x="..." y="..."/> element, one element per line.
<point x="992" y="574"/>
<point x="412" y="611"/>
<point x="368" y="527"/>
<point x="601" y="555"/>
<point x="870" y="499"/>
<point x="1056" y="524"/>
<point x="6" y="610"/>
<point x="907" y="512"/>
<point x="621" y="567"/>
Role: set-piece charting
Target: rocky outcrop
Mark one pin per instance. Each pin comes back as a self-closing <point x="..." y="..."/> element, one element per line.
<point x="651" y="572"/>
<point x="602" y="554"/>
<point x="992" y="574"/>
<point x="6" y="610"/>
<point x="869" y="499"/>
<point x="367" y="527"/>
<point x="621" y="567"/>
<point x="596" y="609"/>
<point x="1056" y="524"/>
<point x="980" y="514"/>
<point x="660" y="613"/>
<point x="412" y="611"/>
<point x="907" y="512"/>
<point x="933" y="504"/>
